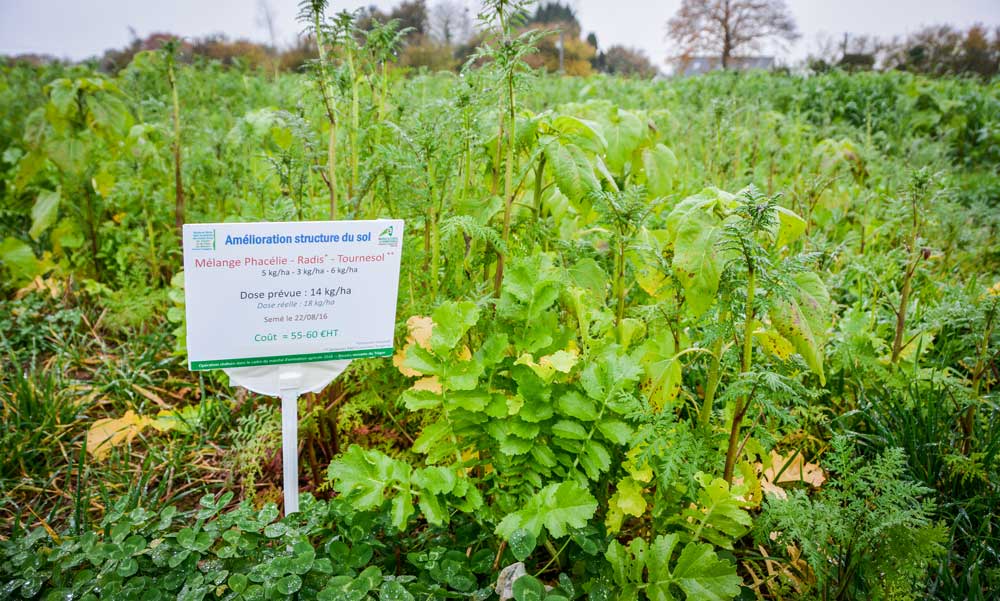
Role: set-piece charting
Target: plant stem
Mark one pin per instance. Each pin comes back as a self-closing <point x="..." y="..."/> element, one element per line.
<point x="969" y="418"/>
<point x="742" y="404"/>
<point x="508" y="183"/>
<point x="178" y="184"/>
<point x="712" y="385"/>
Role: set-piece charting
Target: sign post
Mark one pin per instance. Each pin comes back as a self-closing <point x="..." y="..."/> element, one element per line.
<point x="283" y="308"/>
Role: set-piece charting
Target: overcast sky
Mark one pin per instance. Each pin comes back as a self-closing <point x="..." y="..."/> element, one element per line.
<point x="78" y="29"/>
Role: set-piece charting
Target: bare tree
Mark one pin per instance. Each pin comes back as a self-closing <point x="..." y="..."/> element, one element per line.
<point x="725" y="26"/>
<point x="450" y="23"/>
<point x="265" y="19"/>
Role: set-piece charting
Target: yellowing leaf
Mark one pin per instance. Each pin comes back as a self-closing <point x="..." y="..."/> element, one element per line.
<point x="430" y="384"/>
<point x="547" y="366"/>
<point x="790" y="226"/>
<point x="627" y="500"/>
<point x="784" y="470"/>
<point x="420" y="334"/>
<point x="151" y="396"/>
<point x="775" y="343"/>
<point x="562" y="361"/>
<point x="111" y="432"/>
<point x="420" y="330"/>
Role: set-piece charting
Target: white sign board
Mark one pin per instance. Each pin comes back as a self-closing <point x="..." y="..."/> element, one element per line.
<point x="297" y="292"/>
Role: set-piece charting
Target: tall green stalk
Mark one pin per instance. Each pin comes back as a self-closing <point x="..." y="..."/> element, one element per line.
<point x="170" y="51"/>
<point x="743" y="403"/>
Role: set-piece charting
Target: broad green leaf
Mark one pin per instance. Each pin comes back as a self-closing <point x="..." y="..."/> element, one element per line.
<point x="570" y="429"/>
<point x="69" y="154"/>
<point x="585" y="134"/>
<point x="711" y="202"/>
<point x="646" y="258"/>
<point x="431" y="438"/>
<point x="719" y="517"/>
<point x="589" y="275"/>
<point x="432" y="508"/>
<point x="573" y="172"/>
<point x="628" y="497"/>
<point x="660" y="166"/>
<point x="556" y="507"/>
<point x="788" y="319"/>
<point x="661" y="367"/>
<point x="624" y="134"/>
<point x="814" y="302"/>
<point x="401" y="508"/>
<point x="595" y="459"/>
<point x="437" y="480"/>
<point x="547" y="366"/>
<point x="522" y="543"/>
<point x="451" y="321"/>
<point x="288" y="585"/>
<point x="698" y="571"/>
<point x="530" y="287"/>
<point x="609" y="373"/>
<point x="44" y="212"/>
<point x="790" y="227"/>
<point x="528" y="588"/>
<point x="574" y="404"/>
<point x="393" y="590"/>
<point x="362" y="475"/>
<point x="703" y="576"/>
<point x="107" y="114"/>
<point x="615" y="430"/>
<point x="698" y="260"/>
<point x="62" y="95"/>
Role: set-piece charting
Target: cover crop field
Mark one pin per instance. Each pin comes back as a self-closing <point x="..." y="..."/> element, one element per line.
<point x="732" y="336"/>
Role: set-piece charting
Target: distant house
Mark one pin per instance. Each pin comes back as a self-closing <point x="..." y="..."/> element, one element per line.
<point x="698" y="65"/>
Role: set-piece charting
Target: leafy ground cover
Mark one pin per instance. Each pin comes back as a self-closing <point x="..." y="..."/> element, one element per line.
<point x="713" y="338"/>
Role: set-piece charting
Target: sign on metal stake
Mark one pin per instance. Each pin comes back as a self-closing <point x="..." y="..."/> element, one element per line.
<point x="283" y="308"/>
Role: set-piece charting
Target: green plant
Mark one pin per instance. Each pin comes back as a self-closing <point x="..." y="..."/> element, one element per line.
<point x="867" y="534"/>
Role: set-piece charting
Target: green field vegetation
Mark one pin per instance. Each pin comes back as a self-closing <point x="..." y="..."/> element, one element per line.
<point x="725" y="337"/>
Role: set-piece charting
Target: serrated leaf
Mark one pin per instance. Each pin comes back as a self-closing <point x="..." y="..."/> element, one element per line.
<point x="719" y="516"/>
<point x="437" y="480"/>
<point x="583" y="133"/>
<point x="451" y="321"/>
<point x="362" y="476"/>
<point x="698" y="571"/>
<point x="703" y="576"/>
<point x="615" y="430"/>
<point x="556" y="507"/>
<point x="570" y="429"/>
<point x="595" y="459"/>
<point x="608" y="373"/>
<point x="573" y="172"/>
<point x="574" y="404"/>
